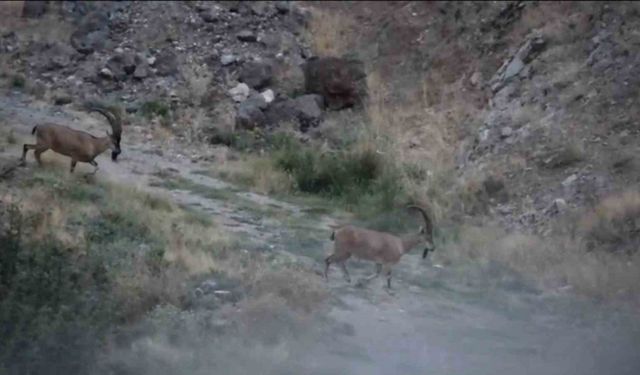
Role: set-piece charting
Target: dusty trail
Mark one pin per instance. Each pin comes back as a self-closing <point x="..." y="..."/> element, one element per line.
<point x="472" y="320"/>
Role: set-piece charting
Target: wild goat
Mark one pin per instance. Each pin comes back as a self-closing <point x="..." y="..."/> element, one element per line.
<point x="80" y="146"/>
<point x="383" y="248"/>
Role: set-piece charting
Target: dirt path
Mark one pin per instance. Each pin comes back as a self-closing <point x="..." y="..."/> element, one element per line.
<point x="469" y="320"/>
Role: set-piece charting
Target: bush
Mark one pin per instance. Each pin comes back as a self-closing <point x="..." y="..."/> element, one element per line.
<point x="154" y="108"/>
<point x="351" y="176"/>
<point x="50" y="305"/>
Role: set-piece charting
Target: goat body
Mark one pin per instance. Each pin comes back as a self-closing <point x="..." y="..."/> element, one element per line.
<point x="80" y="146"/>
<point x="385" y="249"/>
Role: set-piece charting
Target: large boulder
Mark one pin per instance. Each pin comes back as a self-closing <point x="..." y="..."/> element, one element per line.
<point x="340" y="81"/>
<point x="305" y="111"/>
<point x="166" y="63"/>
<point x="122" y="65"/>
<point x="256" y="74"/>
<point x="250" y="113"/>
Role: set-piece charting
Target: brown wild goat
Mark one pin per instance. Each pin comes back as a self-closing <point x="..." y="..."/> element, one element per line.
<point x="80" y="146"/>
<point x="383" y="248"/>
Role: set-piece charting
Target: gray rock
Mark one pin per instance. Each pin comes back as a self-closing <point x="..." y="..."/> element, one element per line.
<point x="106" y="73"/>
<point x="227" y="59"/>
<point x="60" y="56"/>
<point x="250" y="115"/>
<point x="570" y="180"/>
<point x="506" y="132"/>
<point x="268" y="96"/>
<point x="122" y="65"/>
<point x="283" y="7"/>
<point x="141" y="72"/>
<point x="309" y="110"/>
<point x="256" y="74"/>
<point x="514" y="67"/>
<point x="246" y="36"/>
<point x="166" y="63"/>
<point x="87" y="42"/>
<point x="240" y="93"/>
<point x="210" y="16"/>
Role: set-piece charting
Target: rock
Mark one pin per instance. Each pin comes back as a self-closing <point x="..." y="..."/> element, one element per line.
<point x="559" y="205"/>
<point x="210" y="16"/>
<point x="122" y="65"/>
<point x="34" y="8"/>
<point x="151" y="60"/>
<point x="475" y="78"/>
<point x="506" y="132"/>
<point x="62" y="98"/>
<point x="257" y="100"/>
<point x="514" y="67"/>
<point x="495" y="188"/>
<point x="60" y="56"/>
<point x="309" y="110"/>
<point x="250" y="115"/>
<point x="246" y="36"/>
<point x="283" y="7"/>
<point x="256" y="74"/>
<point x="141" y="72"/>
<point x="569" y="180"/>
<point x="227" y="59"/>
<point x="106" y="73"/>
<point x="268" y="96"/>
<point x="166" y="63"/>
<point x="87" y="43"/>
<point x="340" y="81"/>
<point x="515" y="64"/>
<point x="306" y="111"/>
<point x="240" y="93"/>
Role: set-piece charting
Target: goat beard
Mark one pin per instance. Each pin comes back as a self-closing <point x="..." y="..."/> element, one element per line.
<point x="114" y="155"/>
<point x="426" y="252"/>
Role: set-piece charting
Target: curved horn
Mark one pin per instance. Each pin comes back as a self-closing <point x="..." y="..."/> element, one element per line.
<point x="112" y="116"/>
<point x="428" y="227"/>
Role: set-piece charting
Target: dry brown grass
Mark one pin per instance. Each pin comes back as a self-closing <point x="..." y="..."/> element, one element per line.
<point x="552" y="262"/>
<point x="331" y="33"/>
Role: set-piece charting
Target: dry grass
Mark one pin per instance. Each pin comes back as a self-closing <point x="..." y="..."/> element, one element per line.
<point x="256" y="173"/>
<point x="331" y="33"/>
<point x="552" y="263"/>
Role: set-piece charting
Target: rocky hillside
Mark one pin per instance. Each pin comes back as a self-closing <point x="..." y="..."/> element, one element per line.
<point x="525" y="112"/>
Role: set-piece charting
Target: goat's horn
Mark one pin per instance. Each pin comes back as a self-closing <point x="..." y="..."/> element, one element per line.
<point x="112" y="116"/>
<point x="428" y="225"/>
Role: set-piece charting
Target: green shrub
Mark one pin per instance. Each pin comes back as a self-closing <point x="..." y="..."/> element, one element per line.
<point x="153" y="108"/>
<point x="50" y="305"/>
<point x="353" y="177"/>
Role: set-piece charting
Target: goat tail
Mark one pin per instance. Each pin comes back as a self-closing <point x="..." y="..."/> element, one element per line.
<point x="33" y="131"/>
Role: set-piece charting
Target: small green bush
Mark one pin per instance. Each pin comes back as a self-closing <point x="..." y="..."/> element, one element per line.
<point x="353" y="177"/>
<point x="18" y="82"/>
<point x="154" y="108"/>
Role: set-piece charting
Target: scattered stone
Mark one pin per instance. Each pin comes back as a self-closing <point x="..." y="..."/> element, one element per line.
<point x="62" y="99"/>
<point x="227" y="59"/>
<point x="475" y="78"/>
<point x="569" y="180"/>
<point x="256" y="74"/>
<point x="283" y="7"/>
<point x="246" y="36"/>
<point x="151" y="60"/>
<point x="166" y="63"/>
<point x="268" y="96"/>
<point x="240" y="93"/>
<point x="106" y="73"/>
<point x="210" y="16"/>
<point x="506" y="132"/>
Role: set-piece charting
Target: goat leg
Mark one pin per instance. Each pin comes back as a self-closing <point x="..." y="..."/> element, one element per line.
<point x="25" y="149"/>
<point x="73" y="165"/>
<point x="343" y="265"/>
<point x="95" y="164"/>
